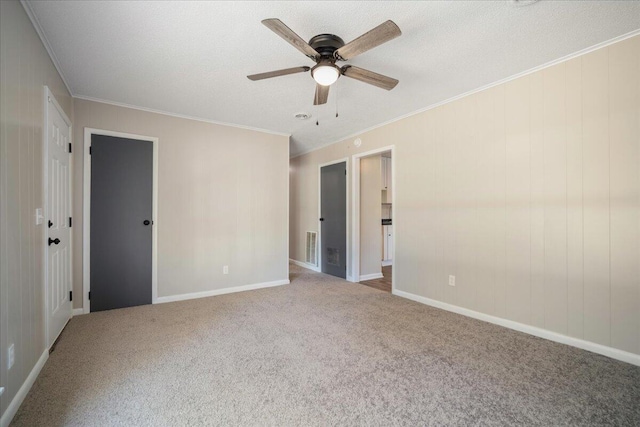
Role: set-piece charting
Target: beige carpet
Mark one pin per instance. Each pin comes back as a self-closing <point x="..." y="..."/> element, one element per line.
<point x="320" y="351"/>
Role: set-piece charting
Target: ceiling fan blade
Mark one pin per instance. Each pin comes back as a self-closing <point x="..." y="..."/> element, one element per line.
<point x="381" y="34"/>
<point x="370" y="77"/>
<point x="322" y="94"/>
<point x="278" y="27"/>
<point x="277" y="73"/>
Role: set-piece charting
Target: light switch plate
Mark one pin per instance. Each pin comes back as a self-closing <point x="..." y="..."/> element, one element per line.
<point x="39" y="216"/>
<point x="11" y="356"/>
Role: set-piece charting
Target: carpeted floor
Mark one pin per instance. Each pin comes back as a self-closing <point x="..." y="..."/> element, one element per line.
<point x="320" y="351"/>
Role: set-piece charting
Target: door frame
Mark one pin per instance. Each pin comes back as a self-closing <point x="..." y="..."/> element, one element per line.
<point x="49" y="97"/>
<point x="346" y="237"/>
<point x="355" y="164"/>
<point x="86" y="214"/>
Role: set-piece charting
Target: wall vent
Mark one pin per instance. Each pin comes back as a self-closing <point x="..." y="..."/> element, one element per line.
<point x="312" y="244"/>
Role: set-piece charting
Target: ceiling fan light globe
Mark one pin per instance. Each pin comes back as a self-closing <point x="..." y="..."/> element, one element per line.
<point x="325" y="75"/>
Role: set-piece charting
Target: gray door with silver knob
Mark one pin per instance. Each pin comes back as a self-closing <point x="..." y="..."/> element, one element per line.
<point x="121" y="222"/>
<point x="333" y="219"/>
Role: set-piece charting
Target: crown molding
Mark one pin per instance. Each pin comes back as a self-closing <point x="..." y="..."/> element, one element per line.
<point x="36" y="24"/>
<point x="45" y="42"/>
<point x="180" y="116"/>
<point x="480" y="89"/>
<point x="26" y="4"/>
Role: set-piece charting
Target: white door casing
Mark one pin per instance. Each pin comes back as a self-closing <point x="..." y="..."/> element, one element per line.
<point x="355" y="203"/>
<point x="86" y="213"/>
<point x="57" y="218"/>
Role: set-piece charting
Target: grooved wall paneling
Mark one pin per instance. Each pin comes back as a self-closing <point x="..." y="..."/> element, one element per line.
<point x="528" y="192"/>
<point x="26" y="68"/>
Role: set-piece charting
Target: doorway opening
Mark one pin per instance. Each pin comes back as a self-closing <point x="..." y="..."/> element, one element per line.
<point x="333" y="214"/>
<point x="120" y="220"/>
<point x="373" y="236"/>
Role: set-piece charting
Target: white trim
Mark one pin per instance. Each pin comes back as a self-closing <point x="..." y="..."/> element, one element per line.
<point x="355" y="250"/>
<point x="604" y="350"/>
<point x="387" y="262"/>
<point x="480" y="89"/>
<point x="86" y="214"/>
<point x="48" y="96"/>
<point x="214" y="292"/>
<point x="370" y="277"/>
<point x="45" y="42"/>
<point x="305" y="265"/>
<point x="180" y="116"/>
<point x="346" y="237"/>
<point x="24" y="389"/>
<point x="53" y="99"/>
<point x="78" y="311"/>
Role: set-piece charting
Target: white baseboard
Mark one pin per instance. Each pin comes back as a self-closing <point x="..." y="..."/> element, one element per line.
<point x="22" y="392"/>
<point x="316" y="269"/>
<point x="614" y="353"/>
<point x="305" y="265"/>
<point x="387" y="262"/>
<point x="370" y="277"/>
<point x="78" y="311"/>
<point x="194" y="295"/>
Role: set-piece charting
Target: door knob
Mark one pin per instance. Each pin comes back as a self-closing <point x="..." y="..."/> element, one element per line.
<point x="53" y="241"/>
<point x="146" y="222"/>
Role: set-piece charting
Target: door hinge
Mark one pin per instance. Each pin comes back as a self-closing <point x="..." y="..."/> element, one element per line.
<point x="89" y="296"/>
<point x="89" y="150"/>
<point x="70" y="295"/>
<point x="70" y="222"/>
<point x="69" y="148"/>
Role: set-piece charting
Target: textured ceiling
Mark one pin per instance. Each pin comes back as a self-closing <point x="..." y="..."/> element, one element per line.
<point x="192" y="58"/>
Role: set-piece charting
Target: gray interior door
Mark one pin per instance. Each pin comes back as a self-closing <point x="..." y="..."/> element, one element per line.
<point x="333" y="217"/>
<point x="121" y="209"/>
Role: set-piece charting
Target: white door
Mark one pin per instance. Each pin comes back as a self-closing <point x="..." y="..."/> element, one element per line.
<point x="58" y="241"/>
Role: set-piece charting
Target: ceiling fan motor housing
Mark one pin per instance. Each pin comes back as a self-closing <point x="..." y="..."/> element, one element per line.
<point x="326" y="44"/>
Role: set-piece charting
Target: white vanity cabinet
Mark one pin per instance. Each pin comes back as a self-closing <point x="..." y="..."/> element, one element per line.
<point x="387" y="243"/>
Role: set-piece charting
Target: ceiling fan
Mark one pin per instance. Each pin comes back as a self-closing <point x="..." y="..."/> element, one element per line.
<point x="326" y="50"/>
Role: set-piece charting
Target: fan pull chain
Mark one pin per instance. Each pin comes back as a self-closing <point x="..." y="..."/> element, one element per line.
<point x="336" y="90"/>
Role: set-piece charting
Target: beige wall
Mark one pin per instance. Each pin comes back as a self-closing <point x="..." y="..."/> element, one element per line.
<point x="26" y="68"/>
<point x="370" y="216"/>
<point x="222" y="199"/>
<point x="528" y="192"/>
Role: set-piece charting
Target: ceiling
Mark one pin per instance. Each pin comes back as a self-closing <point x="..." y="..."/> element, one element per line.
<point x="192" y="58"/>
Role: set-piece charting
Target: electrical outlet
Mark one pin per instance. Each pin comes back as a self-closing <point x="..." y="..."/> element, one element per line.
<point x="225" y="269"/>
<point x="452" y="280"/>
<point x="11" y="356"/>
